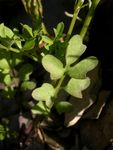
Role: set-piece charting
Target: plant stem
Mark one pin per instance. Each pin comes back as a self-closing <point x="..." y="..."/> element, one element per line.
<point x="89" y="18"/>
<point x="83" y="31"/>
<point x="77" y="8"/>
<point x="58" y="86"/>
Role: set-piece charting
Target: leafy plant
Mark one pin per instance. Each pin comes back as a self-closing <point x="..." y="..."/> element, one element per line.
<point x="60" y="56"/>
<point x="47" y="94"/>
<point x="70" y="65"/>
<point x="5" y="132"/>
<point x="12" y="49"/>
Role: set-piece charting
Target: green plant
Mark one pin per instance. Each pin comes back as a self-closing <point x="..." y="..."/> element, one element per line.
<point x="5" y="132"/>
<point x="47" y="94"/>
<point x="14" y="70"/>
<point x="60" y="56"/>
<point x="69" y="64"/>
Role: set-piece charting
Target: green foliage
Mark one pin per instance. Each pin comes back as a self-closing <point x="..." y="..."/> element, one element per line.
<point x="25" y="71"/>
<point x="80" y="70"/>
<point x="63" y="106"/>
<point x="76" y="86"/>
<point x="28" y="32"/>
<point x="77" y="72"/>
<point x="59" y="31"/>
<point x="4" y="132"/>
<point x="54" y="66"/>
<point x="5" y="32"/>
<point x="75" y="49"/>
<point x="44" y="93"/>
<point x="59" y="55"/>
<point x="28" y="85"/>
<point x="40" y="109"/>
<point x="47" y="94"/>
<point x="13" y="47"/>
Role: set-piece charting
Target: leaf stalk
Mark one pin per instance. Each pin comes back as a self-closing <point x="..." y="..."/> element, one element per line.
<point x="77" y="8"/>
<point x="89" y="18"/>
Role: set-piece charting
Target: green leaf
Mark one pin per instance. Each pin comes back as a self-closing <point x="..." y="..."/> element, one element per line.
<point x="2" y="132"/>
<point x="29" y="45"/>
<point x="4" y="60"/>
<point x="2" y="31"/>
<point x="5" y="31"/>
<point x="59" y="30"/>
<point x="27" y="30"/>
<point x="25" y="71"/>
<point x="2" y="136"/>
<point x="63" y="106"/>
<point x="54" y="66"/>
<point x="8" y="32"/>
<point x="80" y="70"/>
<point x="28" y="85"/>
<point x="75" y="49"/>
<point x="43" y="93"/>
<point x="40" y="109"/>
<point x="4" y="64"/>
<point x="7" y="79"/>
<point x="76" y="86"/>
<point x="6" y="42"/>
<point x="17" y="41"/>
<point x="47" y="40"/>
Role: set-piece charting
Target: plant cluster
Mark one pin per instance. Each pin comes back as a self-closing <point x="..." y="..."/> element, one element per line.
<point x="60" y="56"/>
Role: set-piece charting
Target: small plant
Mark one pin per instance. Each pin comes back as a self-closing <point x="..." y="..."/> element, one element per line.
<point x="60" y="56"/>
<point x="47" y="94"/>
<point x="3" y="132"/>
<point x="64" y="60"/>
<point x="13" y="68"/>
